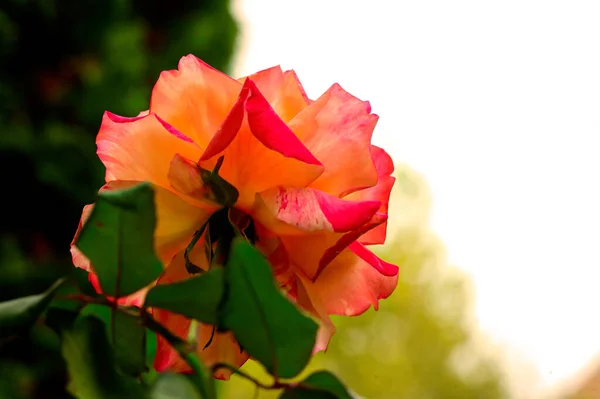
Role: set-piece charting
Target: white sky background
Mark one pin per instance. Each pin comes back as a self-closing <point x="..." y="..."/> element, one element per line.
<point x="497" y="103"/>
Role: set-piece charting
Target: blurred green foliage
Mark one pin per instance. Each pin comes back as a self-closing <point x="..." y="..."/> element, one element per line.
<point x="62" y="64"/>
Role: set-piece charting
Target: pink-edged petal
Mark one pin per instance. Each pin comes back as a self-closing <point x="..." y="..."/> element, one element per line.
<point x="270" y="82"/>
<point x="282" y="90"/>
<point x="382" y="161"/>
<point x="349" y="285"/>
<point x="195" y="99"/>
<point x="306" y="210"/>
<point x="223" y="349"/>
<point x="270" y="130"/>
<point x="141" y="148"/>
<point x="337" y="129"/>
<point x="383" y="267"/>
<point x="312" y="253"/>
<point x="381" y="192"/>
<point x="263" y="153"/>
<point x="347" y="240"/>
<point x="229" y="129"/>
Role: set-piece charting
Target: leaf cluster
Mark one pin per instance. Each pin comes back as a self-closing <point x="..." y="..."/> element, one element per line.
<point x="109" y="347"/>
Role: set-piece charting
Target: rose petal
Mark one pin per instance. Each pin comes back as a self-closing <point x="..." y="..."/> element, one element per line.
<point x="347" y="240"/>
<point x="264" y="153"/>
<point x="282" y="90"/>
<point x="185" y="178"/>
<point x="141" y="148"/>
<point x="229" y="128"/>
<point x="314" y="305"/>
<point x="270" y="83"/>
<point x="381" y="192"/>
<point x="271" y="130"/>
<point x="337" y="129"/>
<point x="349" y="285"/>
<point x="312" y="253"/>
<point x="305" y="210"/>
<point x="195" y="99"/>
<point x="293" y="85"/>
<point x="385" y="268"/>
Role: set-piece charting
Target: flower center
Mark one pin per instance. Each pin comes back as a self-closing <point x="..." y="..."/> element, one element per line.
<point x="218" y="233"/>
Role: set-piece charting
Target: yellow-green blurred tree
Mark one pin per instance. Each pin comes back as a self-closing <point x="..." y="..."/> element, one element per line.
<point x="421" y="343"/>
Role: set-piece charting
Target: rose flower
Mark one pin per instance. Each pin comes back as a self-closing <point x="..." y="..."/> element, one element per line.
<point x="312" y="190"/>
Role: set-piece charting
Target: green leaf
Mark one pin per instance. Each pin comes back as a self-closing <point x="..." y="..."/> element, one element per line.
<point x="266" y="324"/>
<point x="197" y="297"/>
<point x="319" y="385"/>
<point x="101" y="312"/>
<point x="151" y="345"/>
<point x="90" y="362"/>
<point x="77" y="283"/>
<point x="128" y="337"/>
<point x="118" y="240"/>
<point x="21" y="313"/>
<point x="174" y="386"/>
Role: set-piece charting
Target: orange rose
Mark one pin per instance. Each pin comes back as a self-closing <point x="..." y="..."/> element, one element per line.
<point x="315" y="188"/>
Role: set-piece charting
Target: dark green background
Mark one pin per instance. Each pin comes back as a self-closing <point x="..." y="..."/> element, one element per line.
<point x="62" y="64"/>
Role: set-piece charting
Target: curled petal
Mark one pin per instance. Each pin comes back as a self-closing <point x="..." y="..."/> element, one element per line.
<point x="350" y="284"/>
<point x="312" y="253"/>
<point x="383" y="267"/>
<point x="195" y="99"/>
<point x="282" y="90"/>
<point x="223" y="348"/>
<point x="141" y="148"/>
<point x="270" y="130"/>
<point x="337" y="128"/>
<point x="349" y="239"/>
<point x="229" y="128"/>
<point x="185" y="178"/>
<point x="263" y="153"/>
<point x="380" y="192"/>
<point x="302" y="210"/>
